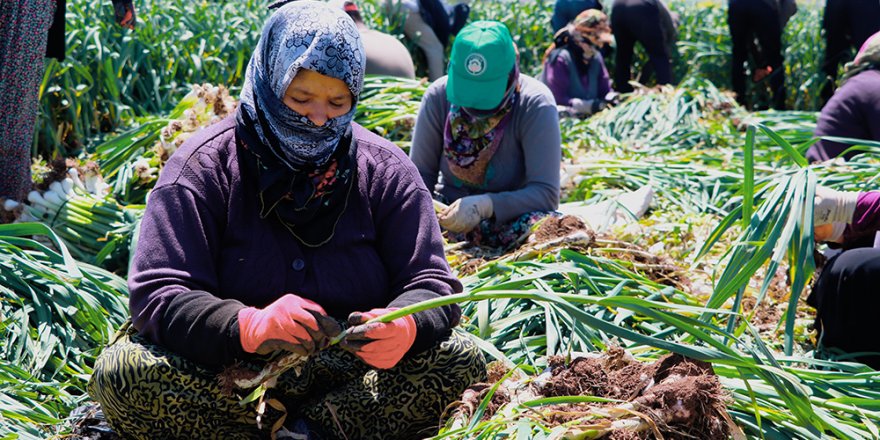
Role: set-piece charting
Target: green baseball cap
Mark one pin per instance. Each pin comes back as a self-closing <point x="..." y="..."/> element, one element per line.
<point x="482" y="58"/>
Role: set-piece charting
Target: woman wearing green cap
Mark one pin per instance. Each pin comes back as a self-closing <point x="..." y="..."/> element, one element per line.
<point x="491" y="136"/>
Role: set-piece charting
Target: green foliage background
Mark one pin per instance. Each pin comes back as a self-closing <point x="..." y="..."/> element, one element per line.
<point x="112" y="76"/>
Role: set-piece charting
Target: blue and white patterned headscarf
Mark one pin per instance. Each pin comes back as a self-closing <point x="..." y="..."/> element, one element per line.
<point x="302" y="35"/>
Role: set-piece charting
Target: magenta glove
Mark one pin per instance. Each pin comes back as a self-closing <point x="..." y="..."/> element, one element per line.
<point x="381" y="345"/>
<point x="290" y="323"/>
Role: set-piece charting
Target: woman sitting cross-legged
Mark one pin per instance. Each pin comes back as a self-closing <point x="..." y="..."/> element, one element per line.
<point x="574" y="69"/>
<point x="264" y="232"/>
<point x="491" y="136"/>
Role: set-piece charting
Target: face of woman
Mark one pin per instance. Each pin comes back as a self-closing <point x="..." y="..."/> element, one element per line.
<point x="317" y="97"/>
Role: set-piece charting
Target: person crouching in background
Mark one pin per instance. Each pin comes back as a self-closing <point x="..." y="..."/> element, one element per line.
<point x="574" y="68"/>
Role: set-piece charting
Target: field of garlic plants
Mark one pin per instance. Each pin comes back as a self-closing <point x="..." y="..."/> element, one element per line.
<point x="687" y="321"/>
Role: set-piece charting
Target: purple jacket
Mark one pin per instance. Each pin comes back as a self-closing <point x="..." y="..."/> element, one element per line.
<point x="204" y="252"/>
<point x="853" y="112"/>
<point x="866" y="221"/>
<point x="557" y="76"/>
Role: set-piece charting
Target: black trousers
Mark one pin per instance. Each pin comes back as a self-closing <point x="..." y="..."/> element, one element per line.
<point x="640" y="21"/>
<point x="847" y="302"/>
<point x="750" y="19"/>
<point x="847" y="24"/>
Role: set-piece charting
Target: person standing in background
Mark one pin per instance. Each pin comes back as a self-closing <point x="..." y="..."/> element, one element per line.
<point x="847" y="25"/>
<point x="650" y="23"/>
<point x="386" y="55"/>
<point x="29" y="30"/>
<point x="564" y="11"/>
<point x="764" y="20"/>
<point x="429" y="25"/>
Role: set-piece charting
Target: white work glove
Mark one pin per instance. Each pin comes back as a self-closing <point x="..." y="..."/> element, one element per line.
<point x="586" y="106"/>
<point x="829" y="233"/>
<point x="465" y="213"/>
<point x="831" y="206"/>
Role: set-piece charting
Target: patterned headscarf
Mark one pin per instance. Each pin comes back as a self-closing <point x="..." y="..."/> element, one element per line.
<point x="592" y="25"/>
<point x="304" y="173"/>
<point x="867" y="58"/>
<point x="471" y="138"/>
<point x="583" y="36"/>
<point x="302" y="35"/>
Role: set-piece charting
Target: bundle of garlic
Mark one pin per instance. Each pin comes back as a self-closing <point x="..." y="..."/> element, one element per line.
<point x="81" y="212"/>
<point x="204" y="105"/>
<point x="133" y="160"/>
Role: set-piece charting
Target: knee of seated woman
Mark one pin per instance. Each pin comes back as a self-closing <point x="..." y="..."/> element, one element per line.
<point x="854" y="267"/>
<point x="455" y="352"/>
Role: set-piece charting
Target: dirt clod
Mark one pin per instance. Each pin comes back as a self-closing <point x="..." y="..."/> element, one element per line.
<point x="473" y="397"/>
<point x="556" y="227"/>
<point x="680" y="398"/>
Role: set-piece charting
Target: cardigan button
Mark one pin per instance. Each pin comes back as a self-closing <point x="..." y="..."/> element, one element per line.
<point x="298" y="264"/>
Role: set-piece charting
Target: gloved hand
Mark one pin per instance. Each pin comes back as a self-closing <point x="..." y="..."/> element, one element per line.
<point x="290" y="323"/>
<point x="831" y="206"/>
<point x="611" y="98"/>
<point x="465" y="213"/>
<point x="125" y="14"/>
<point x="761" y="73"/>
<point x="586" y="107"/>
<point x="381" y="345"/>
<point x="829" y="233"/>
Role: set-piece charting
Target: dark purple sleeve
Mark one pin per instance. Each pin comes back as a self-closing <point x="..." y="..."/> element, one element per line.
<point x="172" y="277"/>
<point x="411" y="248"/>
<point x="604" y="78"/>
<point x="866" y="218"/>
<point x="852" y="112"/>
<point x="558" y="80"/>
<point x="872" y="114"/>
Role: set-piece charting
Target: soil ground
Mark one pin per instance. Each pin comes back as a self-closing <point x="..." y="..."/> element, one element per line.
<point x="676" y="397"/>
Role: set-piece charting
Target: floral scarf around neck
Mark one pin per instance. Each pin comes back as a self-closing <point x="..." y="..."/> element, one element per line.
<point x="308" y="203"/>
<point x="470" y="141"/>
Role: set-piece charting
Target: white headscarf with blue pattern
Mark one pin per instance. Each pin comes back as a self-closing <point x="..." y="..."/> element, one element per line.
<point x="302" y="35"/>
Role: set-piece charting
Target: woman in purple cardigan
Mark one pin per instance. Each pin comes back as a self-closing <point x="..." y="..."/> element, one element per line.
<point x="574" y="69"/>
<point x="845" y="294"/>
<point x="267" y="231"/>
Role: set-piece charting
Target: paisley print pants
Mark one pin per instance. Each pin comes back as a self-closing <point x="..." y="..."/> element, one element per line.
<point x="24" y="27"/>
<point x="147" y="392"/>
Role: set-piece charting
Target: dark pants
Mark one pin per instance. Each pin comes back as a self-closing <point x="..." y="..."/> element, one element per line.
<point x="847" y="303"/>
<point x="640" y="21"/>
<point x="147" y="392"/>
<point x="750" y="19"/>
<point x="847" y="24"/>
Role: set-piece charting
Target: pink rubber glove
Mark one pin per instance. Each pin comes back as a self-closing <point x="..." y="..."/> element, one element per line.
<point x="290" y="323"/>
<point x="381" y="345"/>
